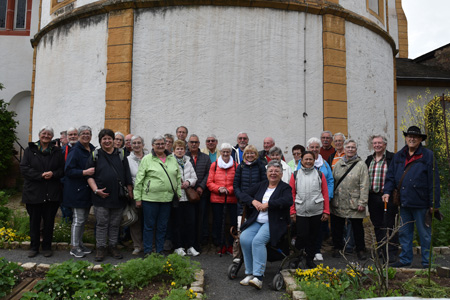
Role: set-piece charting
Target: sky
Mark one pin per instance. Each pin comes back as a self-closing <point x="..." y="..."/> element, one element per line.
<point x="428" y="25"/>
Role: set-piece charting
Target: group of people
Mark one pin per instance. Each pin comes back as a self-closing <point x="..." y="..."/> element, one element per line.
<point x="258" y="191"/>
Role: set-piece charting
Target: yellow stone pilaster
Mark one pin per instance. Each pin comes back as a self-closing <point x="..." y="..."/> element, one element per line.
<point x="402" y="30"/>
<point x="334" y="74"/>
<point x="119" y="74"/>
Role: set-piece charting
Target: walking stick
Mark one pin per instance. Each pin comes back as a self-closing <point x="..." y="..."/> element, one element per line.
<point x="224" y="216"/>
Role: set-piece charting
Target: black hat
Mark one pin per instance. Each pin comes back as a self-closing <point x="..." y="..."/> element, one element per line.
<point x="414" y="130"/>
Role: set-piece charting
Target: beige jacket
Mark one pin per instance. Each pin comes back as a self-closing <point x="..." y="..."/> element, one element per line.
<point x="353" y="191"/>
<point x="206" y="151"/>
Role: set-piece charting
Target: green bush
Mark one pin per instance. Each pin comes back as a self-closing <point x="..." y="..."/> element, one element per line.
<point x="9" y="276"/>
<point x="4" y="211"/>
<point x="8" y="134"/>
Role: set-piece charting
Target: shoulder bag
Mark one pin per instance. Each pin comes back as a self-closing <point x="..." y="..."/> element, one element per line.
<point x="175" y="199"/>
<point x="396" y="192"/>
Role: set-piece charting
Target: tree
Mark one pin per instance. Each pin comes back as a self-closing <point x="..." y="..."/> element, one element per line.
<point x="8" y="135"/>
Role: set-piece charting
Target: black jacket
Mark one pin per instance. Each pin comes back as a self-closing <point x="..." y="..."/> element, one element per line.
<point x="201" y="168"/>
<point x="389" y="157"/>
<point x="279" y="205"/>
<point x="36" y="189"/>
<point x="247" y="176"/>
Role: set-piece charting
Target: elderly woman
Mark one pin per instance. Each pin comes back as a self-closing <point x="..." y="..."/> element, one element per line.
<point x="169" y="141"/>
<point x="297" y="151"/>
<point x="267" y="221"/>
<point x="42" y="167"/>
<point x="411" y="172"/>
<point x="112" y="173"/>
<point x="183" y="228"/>
<point x="250" y="172"/>
<point x="77" y="194"/>
<point x="311" y="205"/>
<point x="134" y="159"/>
<point x="350" y="198"/>
<point x="119" y="140"/>
<point x="275" y="153"/>
<point x="158" y="183"/>
<point x="220" y="183"/>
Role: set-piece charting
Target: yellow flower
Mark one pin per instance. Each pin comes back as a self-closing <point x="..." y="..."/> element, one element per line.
<point x="173" y="283"/>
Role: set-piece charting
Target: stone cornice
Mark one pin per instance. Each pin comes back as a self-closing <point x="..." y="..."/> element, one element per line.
<point x="312" y="7"/>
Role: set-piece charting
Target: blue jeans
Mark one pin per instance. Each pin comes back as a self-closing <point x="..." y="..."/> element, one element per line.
<point x="406" y="234"/>
<point x="253" y="244"/>
<point x="156" y="214"/>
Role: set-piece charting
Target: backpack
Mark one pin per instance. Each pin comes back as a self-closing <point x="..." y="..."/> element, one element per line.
<point x="95" y="154"/>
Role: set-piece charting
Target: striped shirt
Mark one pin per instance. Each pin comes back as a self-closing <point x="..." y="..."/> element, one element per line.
<point x="377" y="174"/>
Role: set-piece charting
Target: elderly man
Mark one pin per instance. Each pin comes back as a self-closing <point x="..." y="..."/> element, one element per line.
<point x="411" y="173"/>
<point x="338" y="139"/>
<point x="238" y="150"/>
<point x="264" y="156"/>
<point x="326" y="150"/>
<point x="378" y="164"/>
<point x="63" y="138"/>
<point x="182" y="133"/>
<point x="201" y="163"/>
<point x="128" y="147"/>
<point x="211" y="148"/>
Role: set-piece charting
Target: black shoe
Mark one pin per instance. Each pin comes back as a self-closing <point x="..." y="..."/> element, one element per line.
<point x="399" y="264"/>
<point x="335" y="253"/>
<point x="101" y="251"/>
<point x="114" y="252"/>
<point x="32" y="253"/>
<point x="310" y="264"/>
<point x="361" y="255"/>
<point x="348" y="251"/>
<point x="47" y="253"/>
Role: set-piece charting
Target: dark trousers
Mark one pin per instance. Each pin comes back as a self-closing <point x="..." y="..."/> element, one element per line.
<point x="382" y="223"/>
<point x="337" y="232"/>
<point x="46" y="212"/>
<point x="202" y="209"/>
<point x="183" y="226"/>
<point x="309" y="231"/>
<point x="218" y="233"/>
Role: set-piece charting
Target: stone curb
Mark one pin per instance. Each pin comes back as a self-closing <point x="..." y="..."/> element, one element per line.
<point x="296" y="294"/>
<point x="197" y="286"/>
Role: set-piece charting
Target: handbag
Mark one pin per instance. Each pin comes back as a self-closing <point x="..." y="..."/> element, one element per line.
<point x="129" y="215"/>
<point x="396" y="192"/>
<point x="175" y="199"/>
<point x="192" y="195"/>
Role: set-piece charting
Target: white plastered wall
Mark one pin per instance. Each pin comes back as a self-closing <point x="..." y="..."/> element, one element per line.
<point x="421" y="95"/>
<point x="393" y="21"/>
<point x="223" y="70"/>
<point x="359" y="7"/>
<point x="370" y="87"/>
<point x="71" y="77"/>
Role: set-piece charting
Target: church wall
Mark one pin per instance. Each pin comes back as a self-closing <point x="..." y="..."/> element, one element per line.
<point x="70" y="77"/>
<point x="223" y="70"/>
<point x="370" y="87"/>
<point x="360" y="7"/>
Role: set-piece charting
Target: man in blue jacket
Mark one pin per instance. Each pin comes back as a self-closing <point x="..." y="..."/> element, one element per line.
<point x="411" y="172"/>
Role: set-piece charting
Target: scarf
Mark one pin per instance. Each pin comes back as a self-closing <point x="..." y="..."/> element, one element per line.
<point x="319" y="162"/>
<point x="224" y="165"/>
<point x="180" y="161"/>
<point x="47" y="150"/>
<point x="347" y="160"/>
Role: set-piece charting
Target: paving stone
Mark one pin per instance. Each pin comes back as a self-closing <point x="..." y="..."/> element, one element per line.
<point x="445" y="250"/>
<point x="63" y="246"/>
<point x="197" y="289"/>
<point x="25" y="246"/>
<point x="43" y="267"/>
<point x="298" y="295"/>
<point x="29" y="266"/>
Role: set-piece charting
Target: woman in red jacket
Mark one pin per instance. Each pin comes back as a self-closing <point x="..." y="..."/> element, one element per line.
<point x="220" y="183"/>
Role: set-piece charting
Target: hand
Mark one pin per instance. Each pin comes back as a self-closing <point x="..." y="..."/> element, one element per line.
<point x="293" y="218"/>
<point x="200" y="191"/>
<point x="130" y="193"/>
<point x="102" y="193"/>
<point x="264" y="206"/>
<point x="138" y="204"/>
<point x="256" y="204"/>
<point x="325" y="217"/>
<point x="185" y="185"/>
<point x="385" y="197"/>
<point x="223" y="190"/>
<point x="89" y="172"/>
<point x="361" y="208"/>
<point x="47" y="175"/>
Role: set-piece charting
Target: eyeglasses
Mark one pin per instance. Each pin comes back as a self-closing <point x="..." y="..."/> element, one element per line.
<point x="169" y="142"/>
<point x="243" y="138"/>
<point x="296" y="153"/>
<point x="85" y="134"/>
<point x="160" y="144"/>
<point x="194" y="142"/>
<point x="210" y="141"/>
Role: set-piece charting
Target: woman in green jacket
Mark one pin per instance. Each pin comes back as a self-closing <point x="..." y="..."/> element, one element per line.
<point x="157" y="185"/>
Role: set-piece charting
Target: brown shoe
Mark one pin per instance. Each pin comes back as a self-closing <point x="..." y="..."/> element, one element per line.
<point x="114" y="252"/>
<point x="47" y="253"/>
<point x="32" y="253"/>
<point x="101" y="251"/>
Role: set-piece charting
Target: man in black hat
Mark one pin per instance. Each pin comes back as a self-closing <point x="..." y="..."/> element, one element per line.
<point x="411" y="173"/>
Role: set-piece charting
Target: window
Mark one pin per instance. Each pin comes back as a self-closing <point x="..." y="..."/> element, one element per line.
<point x="376" y="8"/>
<point x="15" y="17"/>
<point x="58" y="4"/>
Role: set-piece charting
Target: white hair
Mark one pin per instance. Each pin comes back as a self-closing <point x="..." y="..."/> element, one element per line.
<point x="313" y="140"/>
<point x="47" y="128"/>
<point x="225" y="146"/>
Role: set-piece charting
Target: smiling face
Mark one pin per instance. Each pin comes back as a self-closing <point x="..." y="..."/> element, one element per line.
<point x="268" y="143"/>
<point x="275" y="156"/>
<point x="72" y="137"/>
<point x="308" y="161"/>
<point x="179" y="151"/>
<point x="242" y="140"/>
<point x="413" y="141"/>
<point x="326" y="140"/>
<point x="211" y="143"/>
<point x="137" y="145"/>
<point x="274" y="175"/>
<point x="339" y="143"/>
<point x="118" y="141"/>
<point x="225" y="153"/>
<point x="378" y="145"/>
<point x="314" y="148"/>
<point x="85" y="137"/>
<point x="194" y="144"/>
<point x="159" y="146"/>
<point x="107" y="143"/>
<point x="181" y="133"/>
<point x="45" y="137"/>
<point x="250" y="156"/>
<point x="350" y="150"/>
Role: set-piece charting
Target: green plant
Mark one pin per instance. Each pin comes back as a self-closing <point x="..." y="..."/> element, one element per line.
<point x="138" y="273"/>
<point x="424" y="288"/>
<point x="61" y="232"/>
<point x="9" y="276"/>
<point x="8" y="134"/>
<point x="77" y="280"/>
<point x="181" y="268"/>
<point x="4" y="211"/>
<point x="20" y="221"/>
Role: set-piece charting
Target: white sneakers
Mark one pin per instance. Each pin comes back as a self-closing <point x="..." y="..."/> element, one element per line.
<point x="191" y="252"/>
<point x="180" y="252"/>
<point x="136" y="251"/>
<point x="255" y="282"/>
<point x="246" y="280"/>
<point x="318" y="257"/>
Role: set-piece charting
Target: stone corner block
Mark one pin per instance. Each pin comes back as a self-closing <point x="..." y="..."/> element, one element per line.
<point x="29" y="266"/>
<point x="298" y="295"/>
<point x="445" y="250"/>
<point x="62" y="246"/>
<point x="13" y="245"/>
<point x="43" y="267"/>
<point x="197" y="289"/>
<point x="25" y="246"/>
<point x="97" y="268"/>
